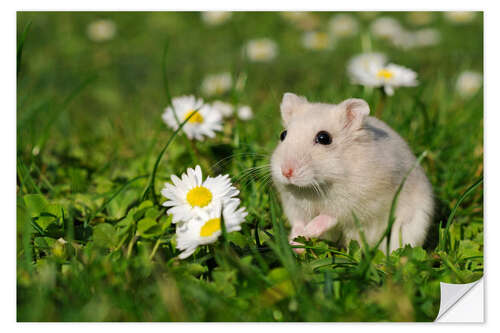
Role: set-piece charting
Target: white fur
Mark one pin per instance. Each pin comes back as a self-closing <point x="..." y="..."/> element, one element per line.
<point x="358" y="173"/>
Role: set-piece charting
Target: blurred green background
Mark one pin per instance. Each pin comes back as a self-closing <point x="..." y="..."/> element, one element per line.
<point x="89" y="121"/>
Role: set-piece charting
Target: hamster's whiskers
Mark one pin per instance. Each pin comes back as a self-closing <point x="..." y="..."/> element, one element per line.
<point x="317" y="187"/>
<point x="227" y="159"/>
<point x="254" y="173"/>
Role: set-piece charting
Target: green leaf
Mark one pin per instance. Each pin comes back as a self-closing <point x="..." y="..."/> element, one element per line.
<point x="237" y="238"/>
<point x="419" y="254"/>
<point x="105" y="235"/>
<point x="118" y="207"/>
<point x="196" y="269"/>
<point x="45" y="221"/>
<point x="36" y="204"/>
<point x="225" y="281"/>
<point x="469" y="248"/>
<point x="144" y="225"/>
<point x="278" y="274"/>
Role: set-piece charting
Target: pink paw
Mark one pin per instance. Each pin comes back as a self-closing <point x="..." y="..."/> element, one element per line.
<point x="319" y="225"/>
<point x="297" y="250"/>
<point x="297" y="230"/>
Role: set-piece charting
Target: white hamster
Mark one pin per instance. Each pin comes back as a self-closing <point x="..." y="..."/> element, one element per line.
<point x="335" y="160"/>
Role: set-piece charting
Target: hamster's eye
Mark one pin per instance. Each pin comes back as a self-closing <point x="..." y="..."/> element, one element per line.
<point x="283" y="135"/>
<point x="323" y="138"/>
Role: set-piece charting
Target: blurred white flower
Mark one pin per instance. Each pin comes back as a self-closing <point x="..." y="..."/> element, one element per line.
<point x="36" y="150"/>
<point x="217" y="84"/>
<point x="420" y="18"/>
<point x="369" y="70"/>
<point x="205" y="228"/>
<point x="365" y="62"/>
<point x="313" y="40"/>
<point x="101" y="30"/>
<point x="225" y="109"/>
<point x="386" y="28"/>
<point x="343" y="25"/>
<point x="245" y="112"/>
<point x="391" y="30"/>
<point x="421" y="38"/>
<point x="460" y="17"/>
<point x="261" y="50"/>
<point x="215" y="17"/>
<point x="204" y="122"/>
<point x="468" y="83"/>
<point x="302" y="20"/>
<point x="190" y="193"/>
<point x="404" y="39"/>
<point x="427" y="37"/>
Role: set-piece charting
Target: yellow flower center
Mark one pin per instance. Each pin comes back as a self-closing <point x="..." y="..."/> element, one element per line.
<point x="321" y="40"/>
<point x="210" y="227"/>
<point x="385" y="73"/>
<point x="199" y="196"/>
<point x="197" y="118"/>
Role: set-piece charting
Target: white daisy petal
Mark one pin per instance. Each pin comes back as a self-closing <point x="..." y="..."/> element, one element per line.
<point x="217" y="84"/>
<point x="206" y="228"/>
<point x="468" y="83"/>
<point x="197" y="208"/>
<point x="261" y="50"/>
<point x="370" y="70"/>
<point x="202" y="117"/>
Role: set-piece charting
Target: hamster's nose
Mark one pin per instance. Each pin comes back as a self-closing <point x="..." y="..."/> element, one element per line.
<point x="287" y="172"/>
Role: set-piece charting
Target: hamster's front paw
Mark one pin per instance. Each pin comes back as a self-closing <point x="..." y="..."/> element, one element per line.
<point x="319" y="225"/>
<point x="297" y="230"/>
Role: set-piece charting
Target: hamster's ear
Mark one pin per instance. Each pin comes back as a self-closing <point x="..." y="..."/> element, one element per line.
<point x="355" y="111"/>
<point x="290" y="104"/>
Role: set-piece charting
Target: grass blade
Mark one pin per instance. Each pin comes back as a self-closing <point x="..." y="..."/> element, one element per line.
<point x="150" y="189"/>
<point x="55" y="114"/>
<point x="455" y="208"/>
<point x="394" y="203"/>
<point x="105" y="203"/>
<point x="20" y="47"/>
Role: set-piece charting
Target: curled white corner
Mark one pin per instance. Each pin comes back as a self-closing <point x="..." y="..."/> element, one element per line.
<point x="459" y="303"/>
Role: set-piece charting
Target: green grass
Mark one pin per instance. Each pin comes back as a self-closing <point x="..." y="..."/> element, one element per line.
<point x="90" y="134"/>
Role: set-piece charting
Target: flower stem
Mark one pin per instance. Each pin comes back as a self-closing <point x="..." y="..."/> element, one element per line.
<point x="381" y="104"/>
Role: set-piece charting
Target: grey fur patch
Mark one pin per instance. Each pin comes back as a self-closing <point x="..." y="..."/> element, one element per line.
<point x="377" y="133"/>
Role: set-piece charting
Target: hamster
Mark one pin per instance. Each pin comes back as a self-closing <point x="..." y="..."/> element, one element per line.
<point x="333" y="161"/>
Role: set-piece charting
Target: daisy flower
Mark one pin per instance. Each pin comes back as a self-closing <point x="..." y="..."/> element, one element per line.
<point x="405" y="40"/>
<point x="460" y="17"/>
<point x="203" y="123"/>
<point x="343" y="25"/>
<point x="421" y="38"/>
<point x="261" y="50"/>
<point x="245" y="112"/>
<point x="369" y="70"/>
<point x="468" y="83"/>
<point x="363" y="63"/>
<point x="217" y="84"/>
<point x="313" y="40"/>
<point x="225" y="109"/>
<point x="420" y="18"/>
<point x="302" y="20"/>
<point x="205" y="227"/>
<point x="214" y="18"/>
<point x="386" y="28"/>
<point x="427" y="37"/>
<point x="101" y="30"/>
<point x="190" y="193"/>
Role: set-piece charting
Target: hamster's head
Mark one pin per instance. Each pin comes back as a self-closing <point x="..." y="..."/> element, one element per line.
<point x="315" y="141"/>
